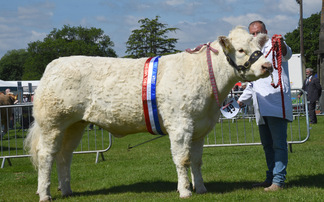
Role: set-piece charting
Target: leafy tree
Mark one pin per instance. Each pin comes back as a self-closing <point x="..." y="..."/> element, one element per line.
<point x="311" y="30"/>
<point x="66" y="42"/>
<point x="151" y="39"/>
<point x="12" y="65"/>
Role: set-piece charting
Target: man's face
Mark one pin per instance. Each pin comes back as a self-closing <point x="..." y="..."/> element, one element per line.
<point x="308" y="73"/>
<point x="256" y="29"/>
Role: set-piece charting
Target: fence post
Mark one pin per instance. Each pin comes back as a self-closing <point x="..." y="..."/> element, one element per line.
<point x="20" y="91"/>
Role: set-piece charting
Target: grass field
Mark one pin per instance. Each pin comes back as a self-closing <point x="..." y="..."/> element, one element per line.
<point x="147" y="173"/>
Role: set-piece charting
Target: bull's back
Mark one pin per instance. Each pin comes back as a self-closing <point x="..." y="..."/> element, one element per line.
<point x="106" y="91"/>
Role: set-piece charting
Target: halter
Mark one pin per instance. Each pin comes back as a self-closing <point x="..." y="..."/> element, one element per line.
<point x="253" y="58"/>
<point x="210" y="67"/>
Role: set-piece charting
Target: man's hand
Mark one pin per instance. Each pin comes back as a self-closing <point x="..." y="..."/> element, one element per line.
<point x="283" y="45"/>
<point x="241" y="104"/>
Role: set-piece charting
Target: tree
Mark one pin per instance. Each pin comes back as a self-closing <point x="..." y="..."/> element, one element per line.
<point x="12" y="65"/>
<point x="66" y="42"/>
<point x="151" y="39"/>
<point x="311" y="32"/>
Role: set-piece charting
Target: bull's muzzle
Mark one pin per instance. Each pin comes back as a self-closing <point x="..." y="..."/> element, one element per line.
<point x="267" y="68"/>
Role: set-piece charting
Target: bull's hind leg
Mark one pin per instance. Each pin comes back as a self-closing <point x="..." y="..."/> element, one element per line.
<point x="196" y="163"/>
<point x="71" y="139"/>
<point x="180" y="149"/>
<point x="48" y="146"/>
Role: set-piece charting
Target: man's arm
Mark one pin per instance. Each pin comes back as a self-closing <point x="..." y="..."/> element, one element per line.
<point x="246" y="96"/>
<point x="318" y="87"/>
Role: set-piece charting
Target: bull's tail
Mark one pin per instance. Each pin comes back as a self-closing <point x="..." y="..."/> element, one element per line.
<point x="31" y="142"/>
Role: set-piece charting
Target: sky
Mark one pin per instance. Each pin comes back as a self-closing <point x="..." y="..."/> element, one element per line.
<point x="22" y="22"/>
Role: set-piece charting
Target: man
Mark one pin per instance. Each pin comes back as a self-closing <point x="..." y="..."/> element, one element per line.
<point x="272" y="113"/>
<point x="314" y="90"/>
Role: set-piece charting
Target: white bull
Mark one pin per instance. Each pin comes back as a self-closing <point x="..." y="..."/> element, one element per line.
<point x="75" y="91"/>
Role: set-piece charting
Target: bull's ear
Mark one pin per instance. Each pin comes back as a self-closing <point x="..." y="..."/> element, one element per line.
<point x="262" y="39"/>
<point x="225" y="43"/>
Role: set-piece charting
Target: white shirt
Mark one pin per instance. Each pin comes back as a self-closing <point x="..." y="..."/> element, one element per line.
<point x="267" y="100"/>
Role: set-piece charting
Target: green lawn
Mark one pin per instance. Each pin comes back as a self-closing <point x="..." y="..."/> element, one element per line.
<point x="147" y="173"/>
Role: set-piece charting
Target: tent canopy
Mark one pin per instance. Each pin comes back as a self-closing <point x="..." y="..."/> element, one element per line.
<point x="13" y="85"/>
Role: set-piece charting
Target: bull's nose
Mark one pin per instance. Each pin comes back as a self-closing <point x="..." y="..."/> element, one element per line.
<point x="267" y="67"/>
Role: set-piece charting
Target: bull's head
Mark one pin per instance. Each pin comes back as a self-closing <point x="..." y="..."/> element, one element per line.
<point x="242" y="51"/>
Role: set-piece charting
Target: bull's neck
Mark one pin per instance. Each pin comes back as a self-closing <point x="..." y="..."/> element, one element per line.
<point x="224" y="73"/>
<point x="225" y="77"/>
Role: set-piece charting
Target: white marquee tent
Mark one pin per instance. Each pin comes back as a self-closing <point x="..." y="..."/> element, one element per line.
<point x="13" y="85"/>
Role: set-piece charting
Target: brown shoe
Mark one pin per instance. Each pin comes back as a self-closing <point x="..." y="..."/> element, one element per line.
<point x="273" y="187"/>
<point x="261" y="184"/>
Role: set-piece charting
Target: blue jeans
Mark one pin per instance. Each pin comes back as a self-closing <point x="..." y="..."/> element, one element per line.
<point x="273" y="136"/>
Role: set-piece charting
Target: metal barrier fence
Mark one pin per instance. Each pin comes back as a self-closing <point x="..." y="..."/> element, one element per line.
<point x="94" y="140"/>
<point x="243" y="131"/>
<point x="238" y="131"/>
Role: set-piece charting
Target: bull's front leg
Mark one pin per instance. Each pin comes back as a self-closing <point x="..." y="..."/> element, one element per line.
<point x="196" y="163"/>
<point x="180" y="149"/>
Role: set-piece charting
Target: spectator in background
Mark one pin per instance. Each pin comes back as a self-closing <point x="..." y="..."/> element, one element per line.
<point x="25" y="99"/>
<point x="243" y="86"/>
<point x="313" y="88"/>
<point x="8" y="91"/>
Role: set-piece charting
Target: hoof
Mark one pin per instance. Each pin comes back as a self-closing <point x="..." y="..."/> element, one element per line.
<point x="185" y="194"/>
<point x="201" y="191"/>
<point x="46" y="199"/>
<point x="67" y="195"/>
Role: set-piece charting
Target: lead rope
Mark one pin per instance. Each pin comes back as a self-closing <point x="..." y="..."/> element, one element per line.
<point x="210" y="67"/>
<point x="277" y="56"/>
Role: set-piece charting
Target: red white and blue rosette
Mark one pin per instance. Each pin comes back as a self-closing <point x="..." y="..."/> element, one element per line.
<point x="149" y="96"/>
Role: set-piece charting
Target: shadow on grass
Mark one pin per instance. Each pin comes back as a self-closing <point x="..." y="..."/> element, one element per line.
<point x="224" y="187"/>
<point x="157" y="186"/>
<point x="164" y="186"/>
<point x="307" y="181"/>
<point x="213" y="187"/>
